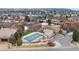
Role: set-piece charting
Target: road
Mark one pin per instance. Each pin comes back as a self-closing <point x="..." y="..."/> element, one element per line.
<point x="44" y="49"/>
<point x="63" y="40"/>
<point x="55" y="49"/>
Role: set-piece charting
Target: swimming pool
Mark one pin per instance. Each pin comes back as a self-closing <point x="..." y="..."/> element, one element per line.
<point x="33" y="37"/>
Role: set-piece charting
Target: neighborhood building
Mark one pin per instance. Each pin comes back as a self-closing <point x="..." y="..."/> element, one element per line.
<point x="5" y="34"/>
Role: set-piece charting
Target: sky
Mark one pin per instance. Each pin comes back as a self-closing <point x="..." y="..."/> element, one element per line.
<point x="39" y="4"/>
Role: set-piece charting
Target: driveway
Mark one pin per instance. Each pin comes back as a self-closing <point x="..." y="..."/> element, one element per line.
<point x="63" y="40"/>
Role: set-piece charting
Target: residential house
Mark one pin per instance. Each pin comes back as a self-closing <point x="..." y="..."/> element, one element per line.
<point x="5" y="34"/>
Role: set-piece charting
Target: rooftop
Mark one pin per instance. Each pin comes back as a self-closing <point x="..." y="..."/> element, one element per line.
<point x="5" y="33"/>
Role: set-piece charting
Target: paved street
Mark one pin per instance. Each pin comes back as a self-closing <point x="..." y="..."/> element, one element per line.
<point x="55" y="49"/>
<point x="44" y="49"/>
<point x="63" y="40"/>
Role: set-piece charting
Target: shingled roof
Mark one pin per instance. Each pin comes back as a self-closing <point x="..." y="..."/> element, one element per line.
<point x="5" y="33"/>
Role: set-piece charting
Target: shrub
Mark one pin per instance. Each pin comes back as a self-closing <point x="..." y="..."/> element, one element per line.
<point x="12" y="40"/>
<point x="20" y="30"/>
<point x="19" y="42"/>
<point x="49" y="22"/>
<point x="25" y="33"/>
<point x="27" y="19"/>
<point x="75" y="36"/>
<point x="51" y="43"/>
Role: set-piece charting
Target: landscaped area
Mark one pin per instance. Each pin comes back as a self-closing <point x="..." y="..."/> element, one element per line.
<point x="26" y="33"/>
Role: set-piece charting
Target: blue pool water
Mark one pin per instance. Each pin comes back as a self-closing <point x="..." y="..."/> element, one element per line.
<point x="33" y="37"/>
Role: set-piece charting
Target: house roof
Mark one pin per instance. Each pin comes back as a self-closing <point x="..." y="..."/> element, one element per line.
<point x="5" y="33"/>
<point x="74" y="18"/>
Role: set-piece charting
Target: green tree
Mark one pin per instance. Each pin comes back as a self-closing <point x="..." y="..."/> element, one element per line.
<point x="16" y="35"/>
<point x="0" y="27"/>
<point x="12" y="40"/>
<point x="16" y="38"/>
<point x="77" y="14"/>
<point x="70" y="15"/>
<point x="1" y="18"/>
<point x="60" y="32"/>
<point x="27" y="19"/>
<point x="21" y="30"/>
<point x="61" y="16"/>
<point x="49" y="22"/>
<point x="19" y="42"/>
<point x="75" y="36"/>
<point x="51" y="16"/>
<point x="66" y="17"/>
<point x="19" y="35"/>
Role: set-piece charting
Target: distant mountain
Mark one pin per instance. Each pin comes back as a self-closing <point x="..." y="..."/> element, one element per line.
<point x="43" y="10"/>
<point x="76" y="9"/>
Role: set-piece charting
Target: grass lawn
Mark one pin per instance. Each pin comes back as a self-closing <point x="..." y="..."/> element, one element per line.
<point x="25" y="33"/>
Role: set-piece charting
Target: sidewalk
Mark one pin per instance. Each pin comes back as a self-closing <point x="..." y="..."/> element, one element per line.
<point x="57" y="44"/>
<point x="76" y="45"/>
<point x="24" y="49"/>
<point x="20" y="48"/>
